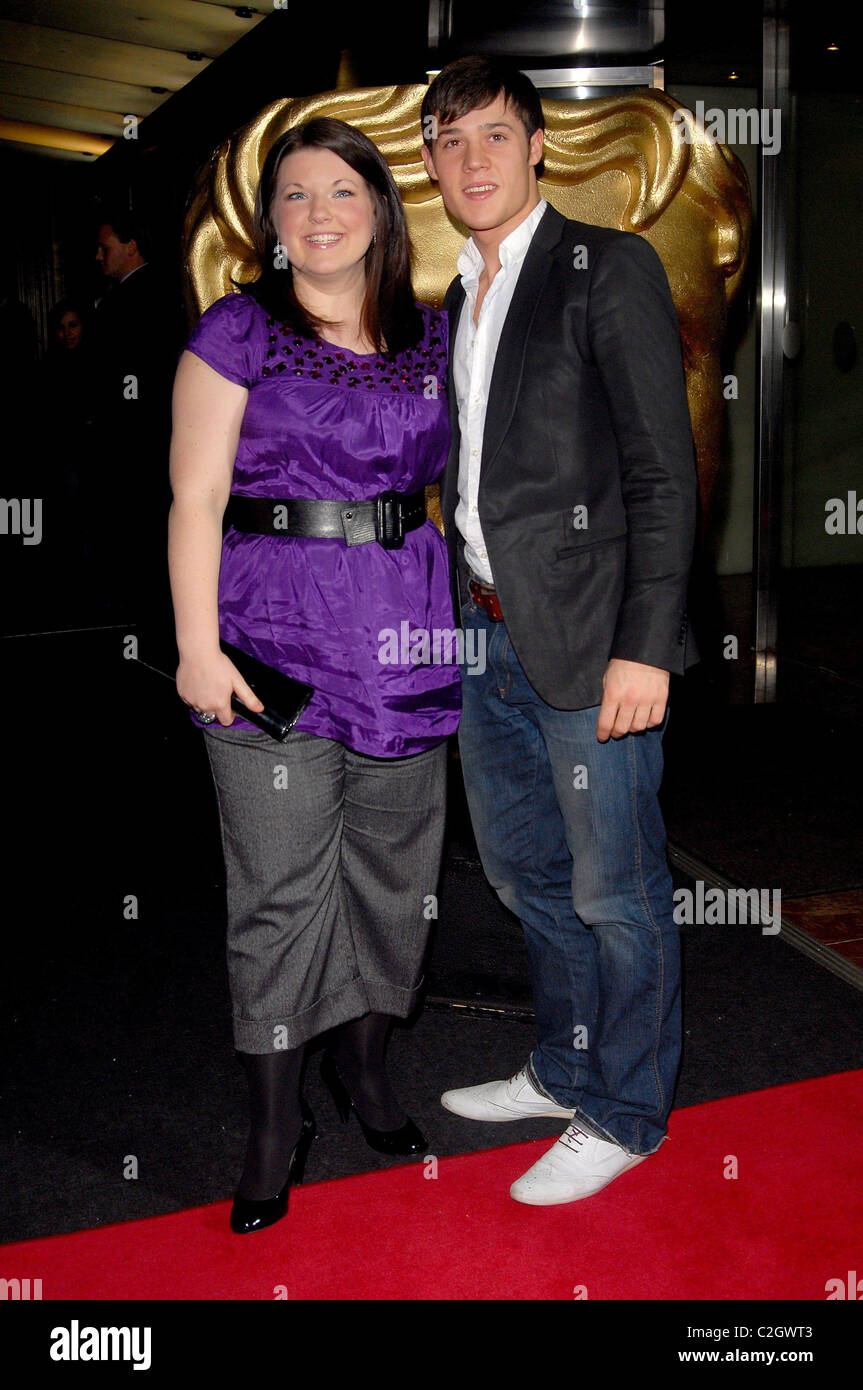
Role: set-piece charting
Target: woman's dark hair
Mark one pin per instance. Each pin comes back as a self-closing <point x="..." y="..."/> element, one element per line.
<point x="389" y="316"/>
<point x="472" y="83"/>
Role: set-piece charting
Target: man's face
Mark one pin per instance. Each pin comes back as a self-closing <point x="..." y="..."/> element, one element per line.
<point x="115" y="257"/>
<point x="484" y="164"/>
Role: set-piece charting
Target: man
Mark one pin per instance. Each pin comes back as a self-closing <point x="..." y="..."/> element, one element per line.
<point x="136" y="339"/>
<point x="569" y="505"/>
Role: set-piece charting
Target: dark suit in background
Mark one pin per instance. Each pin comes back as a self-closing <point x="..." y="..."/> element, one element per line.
<point x="137" y="336"/>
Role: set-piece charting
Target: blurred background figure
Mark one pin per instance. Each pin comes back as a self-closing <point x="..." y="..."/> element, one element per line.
<point x="136" y="338"/>
<point x="67" y="325"/>
<point x="69" y="370"/>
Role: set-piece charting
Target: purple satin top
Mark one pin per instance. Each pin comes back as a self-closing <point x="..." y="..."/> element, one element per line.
<point x="322" y="421"/>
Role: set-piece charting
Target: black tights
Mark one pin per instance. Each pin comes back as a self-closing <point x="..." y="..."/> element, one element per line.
<point x="275" y="1120"/>
<point x="275" y="1107"/>
<point x="358" y="1051"/>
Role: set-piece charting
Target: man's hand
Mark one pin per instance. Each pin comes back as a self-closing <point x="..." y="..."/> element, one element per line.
<point x="634" y="698"/>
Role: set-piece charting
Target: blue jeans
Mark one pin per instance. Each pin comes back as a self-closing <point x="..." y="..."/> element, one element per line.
<point x="572" y="839"/>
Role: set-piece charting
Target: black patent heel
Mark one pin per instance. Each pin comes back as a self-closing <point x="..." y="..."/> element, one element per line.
<point x="301" y="1152"/>
<point x="407" y="1140"/>
<point x="336" y="1087"/>
<point x="250" y="1215"/>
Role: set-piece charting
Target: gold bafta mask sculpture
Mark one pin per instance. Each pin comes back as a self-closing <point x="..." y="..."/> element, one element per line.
<point x="619" y="161"/>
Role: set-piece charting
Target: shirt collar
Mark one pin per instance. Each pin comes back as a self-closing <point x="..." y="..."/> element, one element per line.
<point x="512" y="251"/>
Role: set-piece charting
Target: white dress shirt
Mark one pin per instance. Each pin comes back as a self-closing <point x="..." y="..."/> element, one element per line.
<point x="473" y="363"/>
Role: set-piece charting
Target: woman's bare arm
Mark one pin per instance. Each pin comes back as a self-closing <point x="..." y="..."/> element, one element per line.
<point x="207" y="413"/>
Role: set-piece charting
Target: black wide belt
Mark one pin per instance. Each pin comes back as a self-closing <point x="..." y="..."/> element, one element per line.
<point x="384" y="519"/>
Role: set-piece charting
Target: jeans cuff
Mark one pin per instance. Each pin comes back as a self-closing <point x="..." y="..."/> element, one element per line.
<point x="538" y="1086"/>
<point x="599" y="1133"/>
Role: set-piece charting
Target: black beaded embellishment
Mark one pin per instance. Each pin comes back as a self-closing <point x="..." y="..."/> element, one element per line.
<point x="319" y="361"/>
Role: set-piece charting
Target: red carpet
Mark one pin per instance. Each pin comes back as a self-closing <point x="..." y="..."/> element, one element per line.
<point x="674" y="1227"/>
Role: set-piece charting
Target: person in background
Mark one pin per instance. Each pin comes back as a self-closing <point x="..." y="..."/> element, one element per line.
<point x="136" y="337"/>
<point x="69" y="374"/>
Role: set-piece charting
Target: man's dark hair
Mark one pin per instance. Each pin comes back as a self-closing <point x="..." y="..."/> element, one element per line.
<point x="126" y="226"/>
<point x="389" y="313"/>
<point x="471" y="83"/>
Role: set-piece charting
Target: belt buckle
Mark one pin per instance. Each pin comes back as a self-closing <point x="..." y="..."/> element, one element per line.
<point x="388" y="508"/>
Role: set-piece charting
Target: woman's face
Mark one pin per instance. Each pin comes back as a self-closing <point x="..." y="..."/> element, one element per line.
<point x="324" y="215"/>
<point x="69" y="329"/>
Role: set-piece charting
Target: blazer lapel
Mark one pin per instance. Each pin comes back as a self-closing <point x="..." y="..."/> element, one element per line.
<point x="509" y="360"/>
<point x="453" y="303"/>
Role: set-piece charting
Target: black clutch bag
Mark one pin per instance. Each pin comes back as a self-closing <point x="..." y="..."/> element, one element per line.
<point x="283" y="698"/>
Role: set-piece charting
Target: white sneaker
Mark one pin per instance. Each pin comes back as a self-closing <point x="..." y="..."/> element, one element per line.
<point x="516" y="1099"/>
<point x="577" y="1166"/>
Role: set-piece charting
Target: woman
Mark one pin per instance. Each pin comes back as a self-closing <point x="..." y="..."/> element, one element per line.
<point x="66" y="326"/>
<point x="319" y="390"/>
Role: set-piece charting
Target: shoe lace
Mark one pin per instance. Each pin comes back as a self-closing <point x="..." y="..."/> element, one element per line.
<point x="573" y="1137"/>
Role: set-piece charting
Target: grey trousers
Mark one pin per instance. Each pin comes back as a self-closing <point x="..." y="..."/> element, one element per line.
<point x="332" y="860"/>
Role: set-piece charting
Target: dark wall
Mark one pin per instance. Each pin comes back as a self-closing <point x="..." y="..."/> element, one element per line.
<point x="47" y="248"/>
<point x="294" y="52"/>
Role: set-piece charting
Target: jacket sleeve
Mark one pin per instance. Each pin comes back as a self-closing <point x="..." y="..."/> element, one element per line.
<point x="635" y="342"/>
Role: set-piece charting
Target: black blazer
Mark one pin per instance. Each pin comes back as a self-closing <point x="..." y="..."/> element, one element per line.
<point x="587" y="409"/>
<point x="138" y="333"/>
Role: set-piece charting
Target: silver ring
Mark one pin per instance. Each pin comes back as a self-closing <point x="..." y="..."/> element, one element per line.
<point x="205" y="718"/>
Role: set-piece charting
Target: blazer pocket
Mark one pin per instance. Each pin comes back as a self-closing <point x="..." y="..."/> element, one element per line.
<point x="569" y="550"/>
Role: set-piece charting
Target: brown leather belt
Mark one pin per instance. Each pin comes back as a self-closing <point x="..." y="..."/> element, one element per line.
<point x="485" y="597"/>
